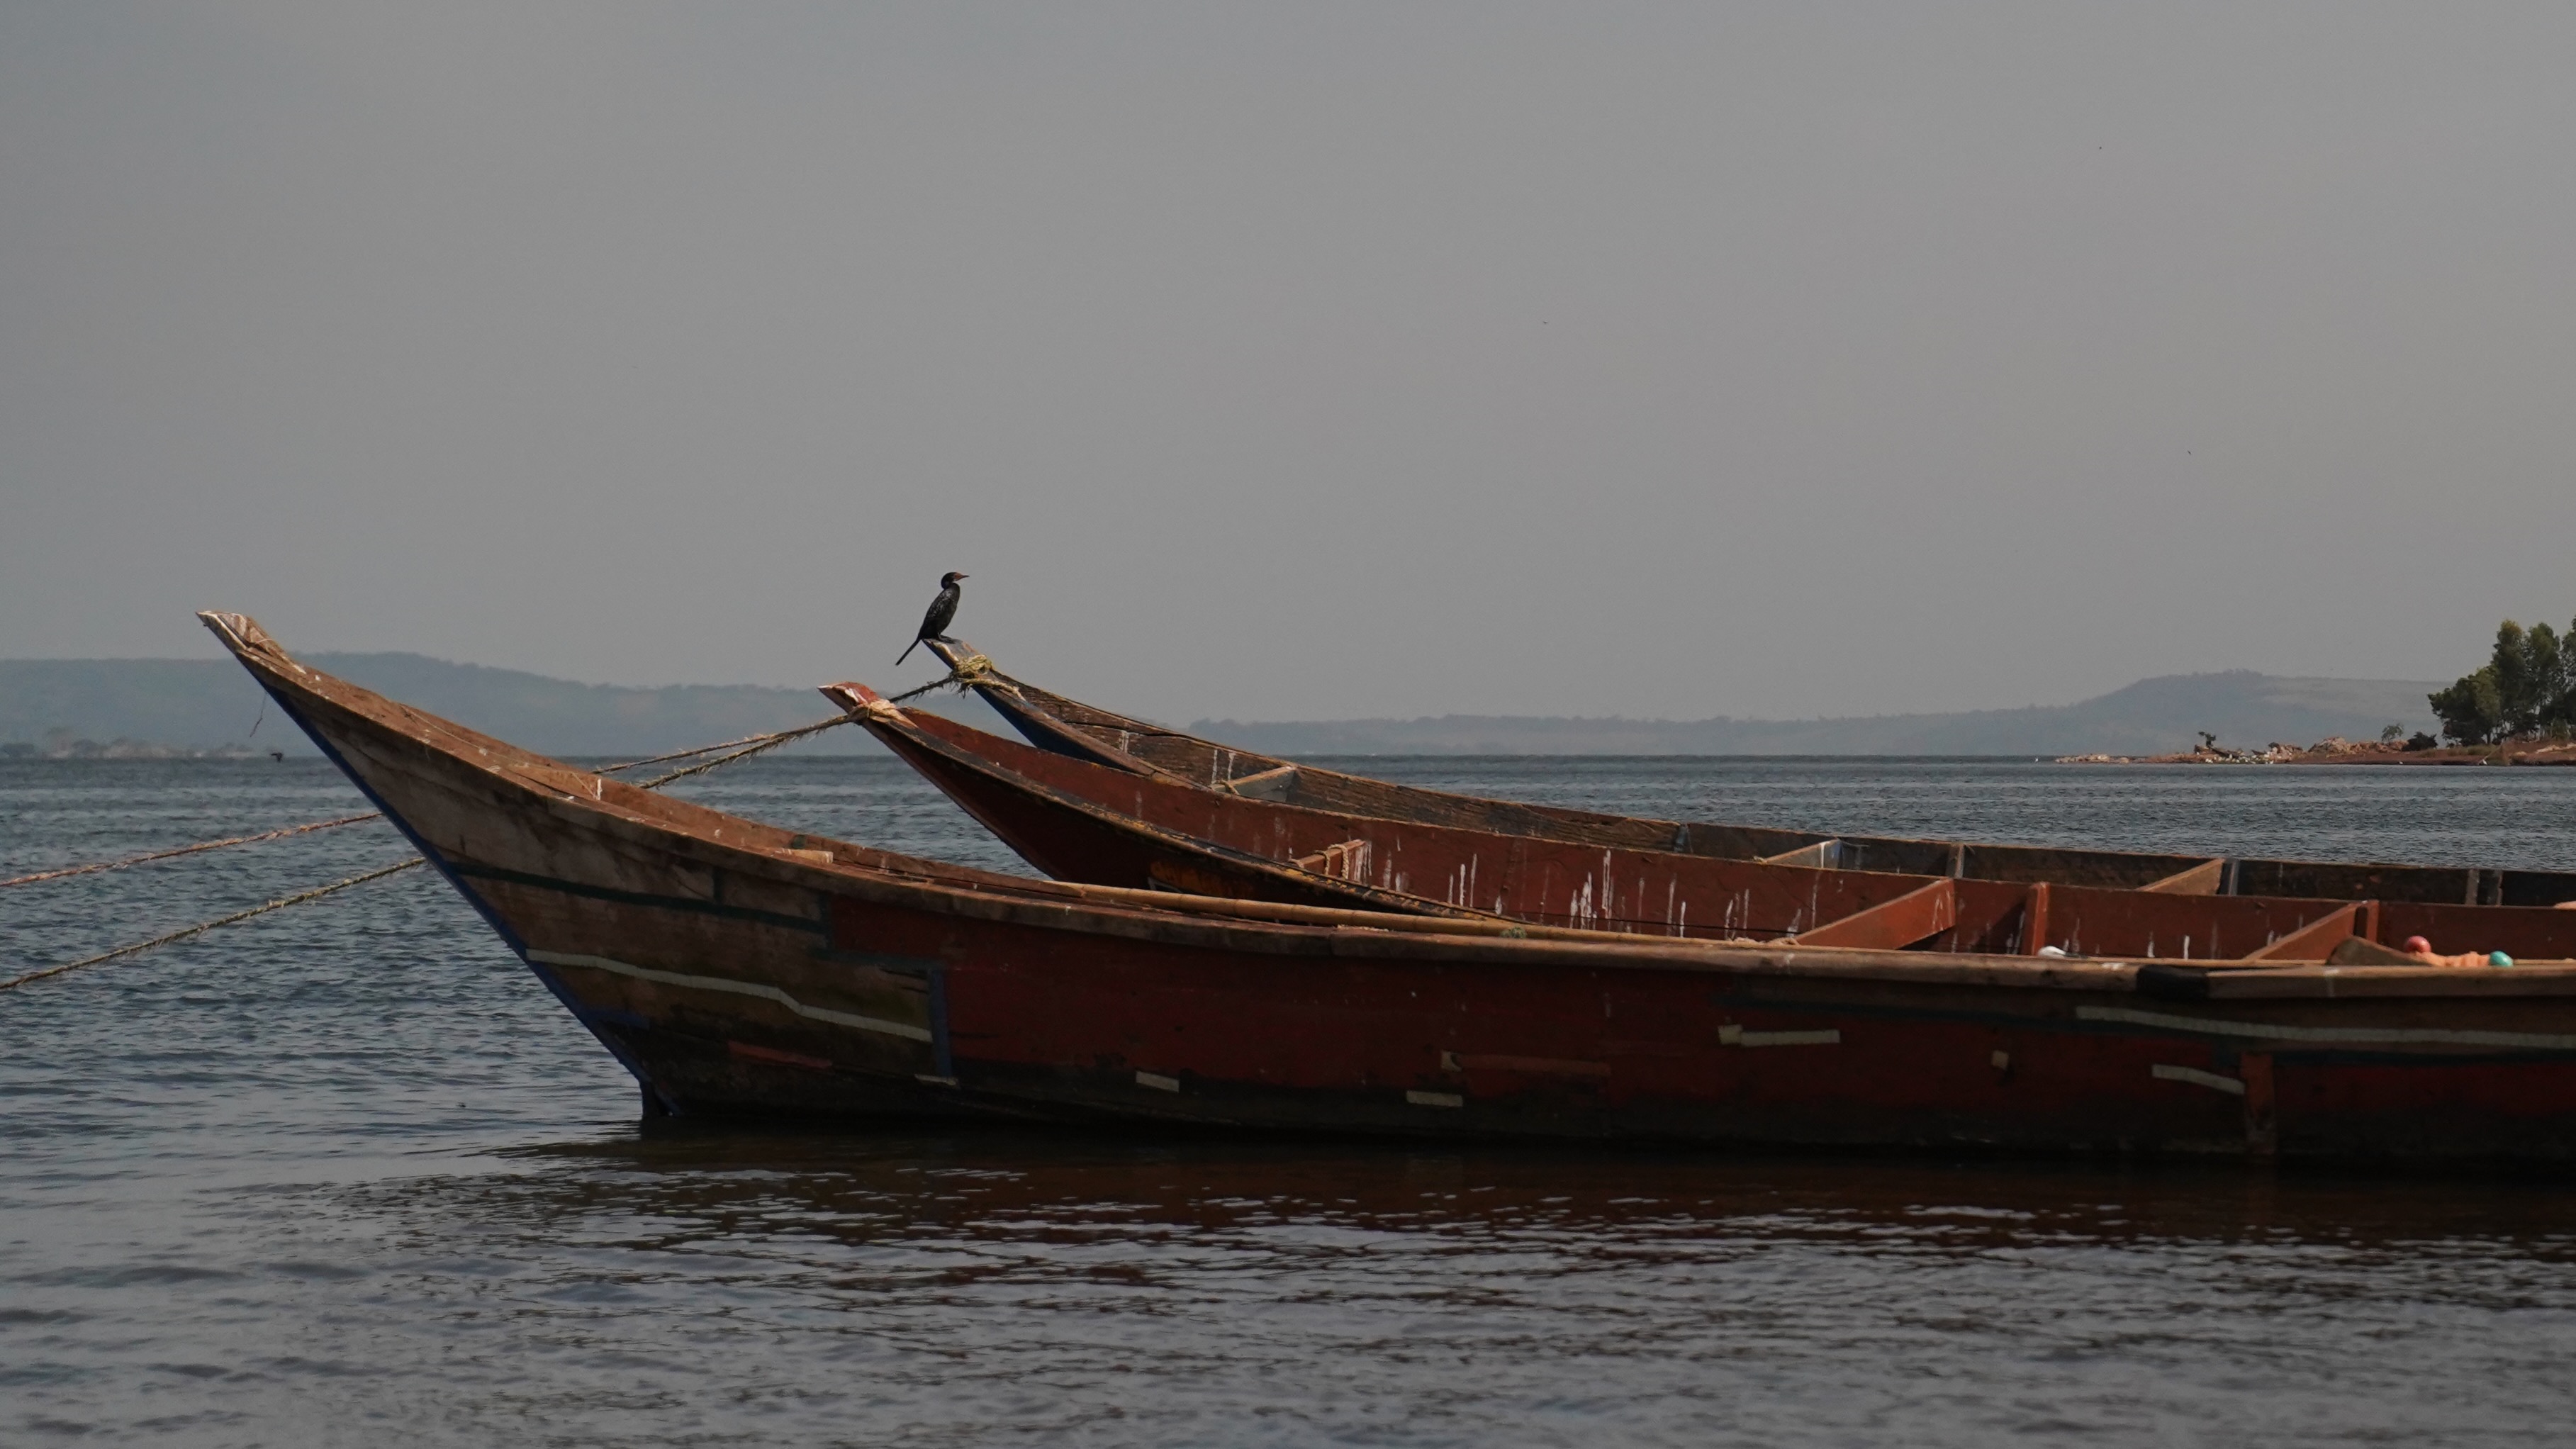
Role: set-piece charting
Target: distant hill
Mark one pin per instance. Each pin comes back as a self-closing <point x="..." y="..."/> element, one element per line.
<point x="192" y="704"/>
<point x="164" y="705"/>
<point x="2151" y="716"/>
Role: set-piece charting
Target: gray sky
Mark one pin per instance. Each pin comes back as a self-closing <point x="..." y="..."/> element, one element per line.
<point x="1301" y="360"/>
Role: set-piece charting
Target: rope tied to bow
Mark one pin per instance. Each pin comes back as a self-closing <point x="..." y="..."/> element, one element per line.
<point x="975" y="671"/>
<point x="202" y="927"/>
<point x="972" y="672"/>
<point x="147" y="857"/>
<point x="755" y="744"/>
<point x="760" y="745"/>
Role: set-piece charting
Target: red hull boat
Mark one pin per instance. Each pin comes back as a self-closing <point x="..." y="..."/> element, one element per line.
<point x="1076" y="820"/>
<point x="738" y="967"/>
<point x="1070" y="727"/>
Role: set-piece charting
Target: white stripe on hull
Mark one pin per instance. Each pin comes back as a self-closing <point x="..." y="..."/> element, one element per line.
<point x="738" y="988"/>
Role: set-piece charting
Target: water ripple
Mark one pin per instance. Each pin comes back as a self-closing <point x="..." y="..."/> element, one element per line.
<point x="347" y="1175"/>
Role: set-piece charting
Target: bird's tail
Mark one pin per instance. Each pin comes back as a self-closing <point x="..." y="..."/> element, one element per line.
<point x="907" y="653"/>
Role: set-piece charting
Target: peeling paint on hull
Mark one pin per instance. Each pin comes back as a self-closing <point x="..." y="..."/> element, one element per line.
<point x="741" y="968"/>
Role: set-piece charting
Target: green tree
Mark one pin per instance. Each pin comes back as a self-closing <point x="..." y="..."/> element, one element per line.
<point x="2472" y="709"/>
<point x="2511" y="661"/>
<point x="2558" y="686"/>
<point x="2527" y="687"/>
<point x="2518" y="675"/>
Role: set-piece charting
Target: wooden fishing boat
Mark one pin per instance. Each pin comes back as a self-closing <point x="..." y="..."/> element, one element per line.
<point x="1066" y="726"/>
<point x="1081" y="821"/>
<point x="734" y="966"/>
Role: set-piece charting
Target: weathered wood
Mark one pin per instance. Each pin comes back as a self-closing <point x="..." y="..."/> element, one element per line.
<point x="2034" y="920"/>
<point x="2362" y="951"/>
<point x="1914" y="917"/>
<point x="1272" y="784"/>
<point x="739" y="967"/>
<point x="1077" y="821"/>
<point x="2317" y="940"/>
<point x="2203" y="879"/>
<point x="2262" y="1119"/>
<point x="1342" y="860"/>
<point x="1064" y="725"/>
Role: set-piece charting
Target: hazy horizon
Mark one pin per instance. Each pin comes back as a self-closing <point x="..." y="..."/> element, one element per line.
<point x="1297" y="363"/>
<point x="330" y="659"/>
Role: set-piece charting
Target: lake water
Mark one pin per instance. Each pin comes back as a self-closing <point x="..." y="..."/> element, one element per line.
<point x="346" y="1175"/>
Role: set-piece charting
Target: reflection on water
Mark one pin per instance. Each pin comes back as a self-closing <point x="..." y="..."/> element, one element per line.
<point x="1204" y="1291"/>
<point x="349" y="1177"/>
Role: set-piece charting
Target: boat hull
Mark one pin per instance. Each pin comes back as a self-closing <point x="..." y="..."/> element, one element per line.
<point x="739" y="968"/>
<point x="1082" y="731"/>
<point x="854" y="1008"/>
<point x="1081" y="821"/>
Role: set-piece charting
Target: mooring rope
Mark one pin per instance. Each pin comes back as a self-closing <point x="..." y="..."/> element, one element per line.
<point x="200" y="928"/>
<point x="967" y="673"/>
<point x="972" y="670"/>
<point x="96" y="866"/>
<point x="757" y="744"/>
<point x="766" y="742"/>
<point x="704" y="750"/>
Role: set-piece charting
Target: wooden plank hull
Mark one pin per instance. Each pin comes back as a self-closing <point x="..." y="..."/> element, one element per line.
<point x="1078" y="730"/>
<point x="738" y="968"/>
<point x="1085" y="822"/>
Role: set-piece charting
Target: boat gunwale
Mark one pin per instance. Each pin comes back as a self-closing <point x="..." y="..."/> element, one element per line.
<point x="993" y="681"/>
<point x="1216" y="922"/>
<point x="999" y="773"/>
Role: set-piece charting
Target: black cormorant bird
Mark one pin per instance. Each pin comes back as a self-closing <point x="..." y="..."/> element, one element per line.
<point x="935" y="623"/>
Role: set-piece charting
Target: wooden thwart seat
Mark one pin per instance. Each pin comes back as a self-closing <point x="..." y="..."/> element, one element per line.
<point x="1918" y="915"/>
<point x="1347" y="861"/>
<point x="2204" y="879"/>
<point x="2318" y="940"/>
<point x="1267" y="785"/>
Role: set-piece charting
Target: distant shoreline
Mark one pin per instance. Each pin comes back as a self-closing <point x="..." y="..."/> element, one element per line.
<point x="169" y="705"/>
<point x="2539" y="756"/>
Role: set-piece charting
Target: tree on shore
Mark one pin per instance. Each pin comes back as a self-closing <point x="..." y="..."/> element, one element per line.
<point x="2527" y="687"/>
